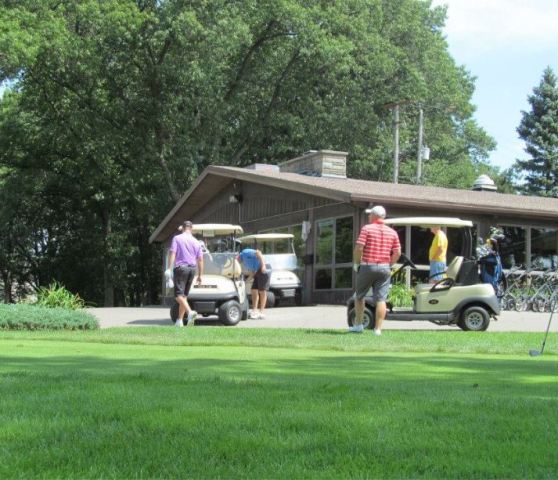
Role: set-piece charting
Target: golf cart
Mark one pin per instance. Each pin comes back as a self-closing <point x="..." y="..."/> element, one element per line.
<point x="459" y="299"/>
<point x="222" y="291"/>
<point x="279" y="254"/>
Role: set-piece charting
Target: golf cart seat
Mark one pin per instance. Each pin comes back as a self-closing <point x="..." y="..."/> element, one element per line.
<point x="453" y="268"/>
<point x="452" y="271"/>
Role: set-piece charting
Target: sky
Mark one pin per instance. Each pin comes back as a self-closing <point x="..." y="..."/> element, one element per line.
<point x="506" y="45"/>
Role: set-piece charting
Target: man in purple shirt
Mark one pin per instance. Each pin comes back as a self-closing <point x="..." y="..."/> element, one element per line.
<point x="185" y="254"/>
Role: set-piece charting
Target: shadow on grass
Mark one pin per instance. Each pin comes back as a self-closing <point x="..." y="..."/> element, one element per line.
<point x="277" y="366"/>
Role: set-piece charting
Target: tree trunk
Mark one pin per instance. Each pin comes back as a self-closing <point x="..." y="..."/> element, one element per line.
<point x="109" y="287"/>
<point x="7" y="281"/>
<point x="107" y="263"/>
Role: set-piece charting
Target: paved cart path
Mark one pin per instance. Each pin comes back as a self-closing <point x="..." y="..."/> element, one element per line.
<point x="318" y="316"/>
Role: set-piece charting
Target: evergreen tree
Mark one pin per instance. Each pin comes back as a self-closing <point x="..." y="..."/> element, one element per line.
<point x="539" y="130"/>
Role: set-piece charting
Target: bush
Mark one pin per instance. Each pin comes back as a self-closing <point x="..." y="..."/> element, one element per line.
<point x="56" y="295"/>
<point x="400" y="295"/>
<point x="34" y="317"/>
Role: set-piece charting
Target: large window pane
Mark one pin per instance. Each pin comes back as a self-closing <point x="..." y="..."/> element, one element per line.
<point x="544" y="249"/>
<point x="323" y="279"/>
<point x="512" y="251"/>
<point x="421" y="238"/>
<point x="324" y="242"/>
<point x="343" y="278"/>
<point x="344" y="240"/>
<point x="402" y="234"/>
<point x="455" y="242"/>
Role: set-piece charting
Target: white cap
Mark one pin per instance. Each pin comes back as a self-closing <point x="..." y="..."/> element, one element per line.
<point x="378" y="211"/>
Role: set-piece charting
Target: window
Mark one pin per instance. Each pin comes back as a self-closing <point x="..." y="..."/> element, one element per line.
<point x="421" y="239"/>
<point x="544" y="249"/>
<point x="512" y="249"/>
<point x="334" y="254"/>
<point x="324" y="242"/>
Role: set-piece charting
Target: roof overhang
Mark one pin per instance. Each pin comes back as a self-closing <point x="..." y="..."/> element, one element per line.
<point x="214" y="179"/>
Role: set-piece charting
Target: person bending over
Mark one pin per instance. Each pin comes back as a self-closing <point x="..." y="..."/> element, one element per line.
<point x="254" y="264"/>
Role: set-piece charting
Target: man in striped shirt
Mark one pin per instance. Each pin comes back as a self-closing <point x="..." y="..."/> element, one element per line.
<point x="377" y="249"/>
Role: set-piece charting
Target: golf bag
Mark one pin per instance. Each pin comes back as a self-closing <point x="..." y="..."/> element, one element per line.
<point x="491" y="270"/>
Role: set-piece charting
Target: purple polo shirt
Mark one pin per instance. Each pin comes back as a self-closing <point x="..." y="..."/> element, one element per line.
<point x="187" y="249"/>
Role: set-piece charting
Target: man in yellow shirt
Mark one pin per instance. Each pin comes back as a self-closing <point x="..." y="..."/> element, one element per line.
<point x="437" y="254"/>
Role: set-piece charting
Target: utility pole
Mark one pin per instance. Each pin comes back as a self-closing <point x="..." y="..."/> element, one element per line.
<point x="396" y="143"/>
<point x="419" y="150"/>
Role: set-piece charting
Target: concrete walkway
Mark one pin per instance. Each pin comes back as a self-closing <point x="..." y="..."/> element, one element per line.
<point x="318" y="316"/>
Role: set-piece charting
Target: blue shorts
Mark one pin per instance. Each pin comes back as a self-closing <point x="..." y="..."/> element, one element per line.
<point x="437" y="270"/>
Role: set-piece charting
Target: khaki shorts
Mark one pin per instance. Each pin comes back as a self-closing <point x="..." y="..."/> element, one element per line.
<point x="376" y="277"/>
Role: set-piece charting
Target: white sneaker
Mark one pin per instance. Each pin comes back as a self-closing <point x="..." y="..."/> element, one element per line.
<point x="377" y="332"/>
<point x="356" y="328"/>
<point x="253" y="315"/>
<point x="191" y="318"/>
<point x="261" y="316"/>
<point x="179" y="323"/>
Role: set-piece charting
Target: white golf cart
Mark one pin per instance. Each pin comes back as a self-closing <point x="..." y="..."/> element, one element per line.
<point x="222" y="291"/>
<point x="459" y="299"/>
<point x="279" y="254"/>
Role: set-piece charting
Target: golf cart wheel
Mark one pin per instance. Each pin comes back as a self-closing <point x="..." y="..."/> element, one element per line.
<point x="174" y="312"/>
<point x="501" y="287"/>
<point x="230" y="313"/>
<point x="474" y="319"/>
<point x="298" y="298"/>
<point x="508" y="304"/>
<point x="539" y="305"/>
<point x="368" y="321"/>
<point x="270" y="303"/>
<point x="521" y="305"/>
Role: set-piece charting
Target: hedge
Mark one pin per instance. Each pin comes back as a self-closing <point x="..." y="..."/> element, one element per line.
<point x="33" y="317"/>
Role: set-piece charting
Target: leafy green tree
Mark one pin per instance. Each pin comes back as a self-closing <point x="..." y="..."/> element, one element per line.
<point x="539" y="130"/>
<point x="119" y="105"/>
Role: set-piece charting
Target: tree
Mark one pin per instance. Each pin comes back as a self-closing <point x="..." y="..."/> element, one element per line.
<point x="119" y="105"/>
<point x="539" y="130"/>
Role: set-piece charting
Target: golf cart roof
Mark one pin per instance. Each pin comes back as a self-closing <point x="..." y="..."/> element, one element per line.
<point x="213" y="229"/>
<point x="265" y="237"/>
<point x="429" y="222"/>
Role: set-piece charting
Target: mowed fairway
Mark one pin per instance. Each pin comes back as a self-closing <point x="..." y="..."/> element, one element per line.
<point x="217" y="402"/>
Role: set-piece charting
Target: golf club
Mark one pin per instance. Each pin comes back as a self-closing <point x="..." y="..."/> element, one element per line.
<point x="553" y="306"/>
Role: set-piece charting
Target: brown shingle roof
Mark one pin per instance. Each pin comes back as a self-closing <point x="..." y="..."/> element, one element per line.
<point x="351" y="190"/>
<point x="402" y="194"/>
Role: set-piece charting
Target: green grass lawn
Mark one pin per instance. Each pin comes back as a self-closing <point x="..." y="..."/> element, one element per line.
<point x="246" y="403"/>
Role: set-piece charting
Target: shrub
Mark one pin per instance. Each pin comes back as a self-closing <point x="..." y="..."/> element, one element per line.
<point x="56" y="295"/>
<point x="33" y="317"/>
<point x="400" y="295"/>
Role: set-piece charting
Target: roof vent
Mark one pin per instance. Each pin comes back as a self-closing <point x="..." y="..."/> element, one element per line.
<point x="484" y="183"/>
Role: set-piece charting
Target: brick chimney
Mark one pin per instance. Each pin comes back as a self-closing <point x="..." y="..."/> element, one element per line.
<point x="318" y="163"/>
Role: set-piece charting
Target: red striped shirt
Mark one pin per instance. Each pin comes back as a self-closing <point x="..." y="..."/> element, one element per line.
<point x="379" y="242"/>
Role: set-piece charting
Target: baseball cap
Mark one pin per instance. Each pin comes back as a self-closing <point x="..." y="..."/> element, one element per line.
<point x="378" y="210"/>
